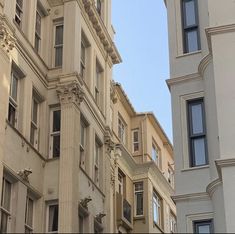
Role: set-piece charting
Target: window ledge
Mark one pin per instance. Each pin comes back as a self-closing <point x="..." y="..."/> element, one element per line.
<point x="140" y="217"/>
<point x="188" y="54"/>
<point x="195" y="168"/>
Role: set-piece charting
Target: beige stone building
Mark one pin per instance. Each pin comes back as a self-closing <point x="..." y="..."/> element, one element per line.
<point x="144" y="168"/>
<point x="63" y="167"/>
<point x="201" y="42"/>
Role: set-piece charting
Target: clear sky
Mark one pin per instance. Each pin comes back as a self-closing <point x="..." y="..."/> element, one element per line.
<point x="142" y="40"/>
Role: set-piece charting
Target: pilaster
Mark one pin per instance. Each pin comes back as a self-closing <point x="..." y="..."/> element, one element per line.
<point x="70" y="96"/>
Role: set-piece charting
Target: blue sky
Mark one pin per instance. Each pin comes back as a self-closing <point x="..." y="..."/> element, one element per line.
<point x="142" y="40"/>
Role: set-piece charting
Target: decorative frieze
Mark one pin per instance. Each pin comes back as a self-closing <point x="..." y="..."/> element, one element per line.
<point x="7" y="40"/>
<point x="70" y="93"/>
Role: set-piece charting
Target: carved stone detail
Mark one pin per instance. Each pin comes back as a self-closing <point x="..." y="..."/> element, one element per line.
<point x="7" y="40"/>
<point x="113" y="95"/>
<point x="108" y="141"/>
<point x="70" y="93"/>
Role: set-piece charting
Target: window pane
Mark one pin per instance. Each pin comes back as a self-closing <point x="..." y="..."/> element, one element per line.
<point x="192" y="40"/>
<point x="11" y="114"/>
<point x="82" y="135"/>
<point x="4" y="219"/>
<point x="83" y="53"/>
<point x="190" y="16"/>
<point x="7" y="195"/>
<point x="139" y="186"/>
<point x="14" y="86"/>
<point x="197" y="118"/>
<point x="155" y="212"/>
<point x="136" y="147"/>
<point x="199" y="151"/>
<point x="58" y="56"/>
<point x="56" y="146"/>
<point x="59" y="35"/>
<point x="204" y="228"/>
<point x="38" y="24"/>
<point x="30" y="212"/>
<point x="35" y="111"/>
<point x="56" y="121"/>
<point x="139" y="203"/>
<point x="32" y="134"/>
<point x="53" y="218"/>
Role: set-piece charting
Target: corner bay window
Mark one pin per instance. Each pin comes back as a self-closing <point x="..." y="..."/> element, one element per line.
<point x="204" y="226"/>
<point x="197" y="133"/>
<point x="53" y="214"/>
<point x="55" y="133"/>
<point x="121" y="130"/>
<point x="190" y="26"/>
<point x="139" y="196"/>
<point x="156" y="209"/>
<point x="58" y="46"/>
<point x="5" y="211"/>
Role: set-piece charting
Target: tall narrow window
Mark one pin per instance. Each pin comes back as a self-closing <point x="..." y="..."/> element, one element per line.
<point x="59" y="45"/>
<point x="83" y="141"/>
<point x="55" y="134"/>
<point x="173" y="226"/>
<point x="5" y="205"/>
<point x="37" y="39"/>
<point x="190" y="26"/>
<point x="98" y="83"/>
<point x="139" y="198"/>
<point x="197" y="133"/>
<point x="170" y="176"/>
<point x="135" y="137"/>
<point x="120" y="182"/>
<point x="155" y="154"/>
<point x="34" y="130"/>
<point x="13" y="101"/>
<point x="156" y="209"/>
<point x="121" y="130"/>
<point x="53" y="214"/>
<point x="29" y="215"/>
<point x="83" y="59"/>
<point x="97" y="155"/>
<point x="204" y="226"/>
<point x="19" y="12"/>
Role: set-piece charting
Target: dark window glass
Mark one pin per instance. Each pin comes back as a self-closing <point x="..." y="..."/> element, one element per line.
<point x="197" y="133"/>
<point x="190" y="26"/>
<point x="53" y="218"/>
<point x="56" y="121"/>
<point x="203" y="226"/>
<point x="56" y="146"/>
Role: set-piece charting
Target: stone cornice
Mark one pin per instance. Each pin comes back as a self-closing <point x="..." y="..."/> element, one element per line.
<point x="218" y="30"/>
<point x="101" y="31"/>
<point x="7" y="37"/>
<point x="220" y="163"/>
<point x="182" y="79"/>
<point x="70" y="93"/>
<point x="212" y="186"/>
<point x="191" y="196"/>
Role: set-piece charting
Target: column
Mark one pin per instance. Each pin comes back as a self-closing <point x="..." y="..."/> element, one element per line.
<point x="70" y="95"/>
<point x="7" y="43"/>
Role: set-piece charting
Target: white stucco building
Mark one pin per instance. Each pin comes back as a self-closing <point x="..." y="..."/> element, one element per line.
<point x="202" y="48"/>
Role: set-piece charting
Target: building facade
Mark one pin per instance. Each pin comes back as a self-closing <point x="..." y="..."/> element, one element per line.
<point x="201" y="44"/>
<point x="144" y="168"/>
<point x="61" y="156"/>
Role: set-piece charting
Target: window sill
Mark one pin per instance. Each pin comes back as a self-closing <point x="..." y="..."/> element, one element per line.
<point x="195" y="168"/>
<point x="140" y="217"/>
<point x="188" y="54"/>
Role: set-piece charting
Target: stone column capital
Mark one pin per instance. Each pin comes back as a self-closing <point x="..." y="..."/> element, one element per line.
<point x="7" y="40"/>
<point x="70" y="93"/>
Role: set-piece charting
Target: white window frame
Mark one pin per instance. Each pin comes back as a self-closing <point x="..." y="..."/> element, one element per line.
<point x="19" y="17"/>
<point x="27" y="226"/>
<point x="2" y="209"/>
<point x="173" y="223"/>
<point x="38" y="34"/>
<point x="157" y="203"/>
<point x="57" y="24"/>
<point x="135" y="142"/>
<point x="136" y="192"/>
<point x="47" y="220"/>
<point x="52" y="134"/>
<point x="120" y="182"/>
<point x="121" y="129"/>
<point x="157" y="150"/>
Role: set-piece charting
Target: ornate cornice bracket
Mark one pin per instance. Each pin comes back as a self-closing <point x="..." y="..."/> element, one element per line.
<point x="70" y="93"/>
<point x="7" y="40"/>
<point x="108" y="141"/>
